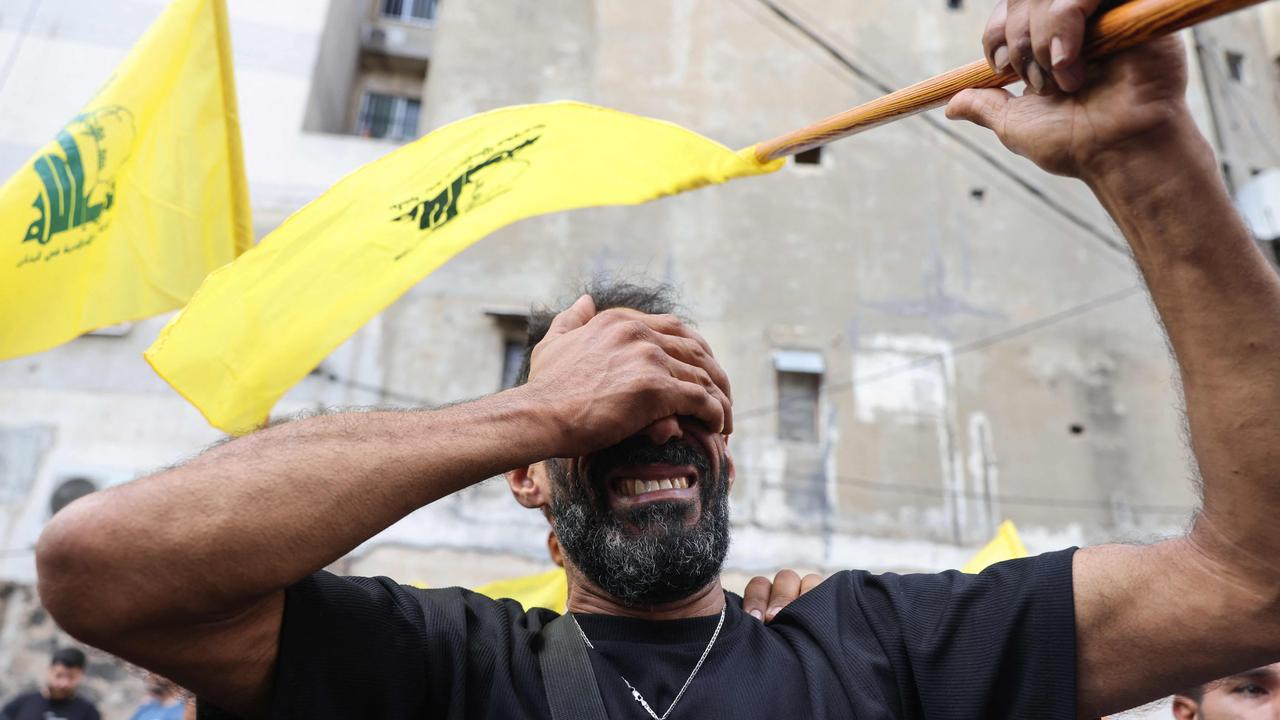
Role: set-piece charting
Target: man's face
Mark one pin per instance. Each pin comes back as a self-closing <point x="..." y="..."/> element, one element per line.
<point x="647" y="522"/>
<point x="62" y="681"/>
<point x="1252" y="695"/>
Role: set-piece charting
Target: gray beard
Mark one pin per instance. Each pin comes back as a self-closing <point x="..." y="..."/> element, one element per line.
<point x="650" y="555"/>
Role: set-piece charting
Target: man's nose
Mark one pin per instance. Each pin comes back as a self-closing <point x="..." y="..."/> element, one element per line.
<point x="664" y="431"/>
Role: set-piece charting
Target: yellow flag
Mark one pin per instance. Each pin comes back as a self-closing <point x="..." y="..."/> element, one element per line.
<point x="1006" y="545"/>
<point x="136" y="199"/>
<point x="259" y="325"/>
<point x="546" y="590"/>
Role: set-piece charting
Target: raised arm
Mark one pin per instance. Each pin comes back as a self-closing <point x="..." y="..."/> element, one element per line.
<point x="183" y="572"/>
<point x="1153" y="619"/>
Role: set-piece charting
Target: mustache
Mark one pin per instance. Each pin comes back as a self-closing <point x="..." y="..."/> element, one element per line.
<point x="639" y="451"/>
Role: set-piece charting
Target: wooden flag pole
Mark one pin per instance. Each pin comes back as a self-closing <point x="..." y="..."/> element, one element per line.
<point x="1128" y="25"/>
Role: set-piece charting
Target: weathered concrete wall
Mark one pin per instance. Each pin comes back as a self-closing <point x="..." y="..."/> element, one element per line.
<point x="27" y="639"/>
<point x="986" y="353"/>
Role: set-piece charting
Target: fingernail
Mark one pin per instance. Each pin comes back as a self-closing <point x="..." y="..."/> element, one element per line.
<point x="1001" y="58"/>
<point x="1035" y="77"/>
<point x="775" y="610"/>
<point x="756" y="614"/>
<point x="1057" y="52"/>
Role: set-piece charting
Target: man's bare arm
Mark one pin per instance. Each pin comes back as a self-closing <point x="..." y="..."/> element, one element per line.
<point x="1151" y="620"/>
<point x="1207" y="605"/>
<point x="183" y="572"/>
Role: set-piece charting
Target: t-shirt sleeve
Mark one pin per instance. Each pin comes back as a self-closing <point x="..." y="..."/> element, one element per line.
<point x="1000" y="644"/>
<point x="368" y="647"/>
<point x="350" y="647"/>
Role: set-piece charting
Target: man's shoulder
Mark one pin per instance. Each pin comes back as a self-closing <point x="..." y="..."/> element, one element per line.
<point x="22" y="699"/>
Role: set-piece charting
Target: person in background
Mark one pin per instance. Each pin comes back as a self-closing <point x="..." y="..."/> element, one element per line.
<point x="58" y="700"/>
<point x="1250" y="695"/>
<point x="167" y="700"/>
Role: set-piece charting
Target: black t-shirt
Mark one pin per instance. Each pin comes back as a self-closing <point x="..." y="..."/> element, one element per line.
<point x="35" y="706"/>
<point x="996" y="645"/>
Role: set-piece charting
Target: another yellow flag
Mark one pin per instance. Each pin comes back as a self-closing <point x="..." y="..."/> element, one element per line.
<point x="137" y="198"/>
<point x="259" y="325"/>
<point x="1006" y="545"/>
<point x="549" y="590"/>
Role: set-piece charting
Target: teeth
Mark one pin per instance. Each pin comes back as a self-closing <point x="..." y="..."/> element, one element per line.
<point x="631" y="488"/>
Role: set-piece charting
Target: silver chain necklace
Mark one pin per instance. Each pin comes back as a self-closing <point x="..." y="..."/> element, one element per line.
<point x="636" y="693"/>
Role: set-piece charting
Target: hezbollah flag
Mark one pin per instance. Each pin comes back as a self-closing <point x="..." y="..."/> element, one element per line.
<point x="549" y="590"/>
<point x="1006" y="545"/>
<point x="259" y="325"/>
<point x="136" y="199"/>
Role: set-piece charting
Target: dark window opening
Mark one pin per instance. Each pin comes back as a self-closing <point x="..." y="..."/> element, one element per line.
<point x="392" y="117"/>
<point x="1235" y="65"/>
<point x="411" y="10"/>
<point x="514" y="331"/>
<point x="812" y="156"/>
<point x="69" y="491"/>
<point x="798" y="406"/>
<point x="1076" y="429"/>
<point x="955" y="4"/>
<point x="978" y="194"/>
<point x="512" y="359"/>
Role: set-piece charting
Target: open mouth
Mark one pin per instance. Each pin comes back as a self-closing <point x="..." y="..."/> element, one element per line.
<point x="630" y="485"/>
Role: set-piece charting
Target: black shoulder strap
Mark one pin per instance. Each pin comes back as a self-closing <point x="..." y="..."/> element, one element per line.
<point x="567" y="675"/>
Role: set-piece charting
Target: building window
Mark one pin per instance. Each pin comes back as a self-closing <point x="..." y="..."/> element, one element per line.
<point x="512" y="359"/>
<point x="1235" y="66"/>
<point x="513" y="326"/>
<point x="812" y="156"/>
<point x="955" y="4"/>
<point x="393" y="117"/>
<point x="799" y="389"/>
<point x="411" y="10"/>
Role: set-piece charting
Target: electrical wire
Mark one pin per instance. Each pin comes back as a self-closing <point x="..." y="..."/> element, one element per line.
<point x="849" y="481"/>
<point x="382" y="392"/>
<point x="1214" y="54"/>
<point x="964" y="348"/>
<point x="862" y="73"/>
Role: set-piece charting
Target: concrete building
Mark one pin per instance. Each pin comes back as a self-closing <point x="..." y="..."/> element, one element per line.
<point x="926" y="334"/>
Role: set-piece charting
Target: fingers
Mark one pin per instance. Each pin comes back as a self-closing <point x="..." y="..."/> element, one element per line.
<point x="809" y="582"/>
<point x="1045" y="39"/>
<point x="986" y="107"/>
<point x="698" y="376"/>
<point x="1058" y="38"/>
<point x="786" y="587"/>
<point x="1017" y="38"/>
<point x="993" y="39"/>
<point x="577" y="315"/>
<point x="763" y="600"/>
<point x="755" y="599"/>
<point x="696" y="363"/>
<point x="694" y="399"/>
<point x="690" y="351"/>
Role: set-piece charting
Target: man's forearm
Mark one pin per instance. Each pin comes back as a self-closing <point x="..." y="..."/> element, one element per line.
<point x="1219" y="300"/>
<point x="254" y="515"/>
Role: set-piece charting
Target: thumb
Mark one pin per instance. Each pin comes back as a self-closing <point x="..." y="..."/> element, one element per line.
<point x="984" y="107"/>
<point x="577" y="315"/>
